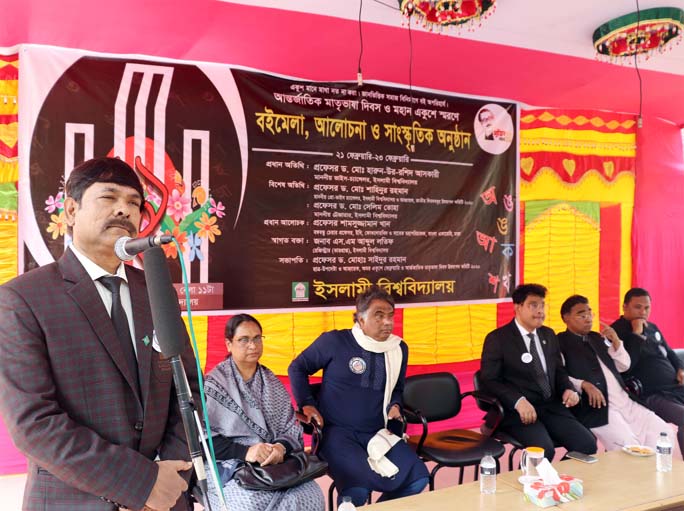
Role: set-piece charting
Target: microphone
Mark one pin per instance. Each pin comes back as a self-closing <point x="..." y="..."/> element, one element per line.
<point x="168" y="325"/>
<point x="127" y="248"/>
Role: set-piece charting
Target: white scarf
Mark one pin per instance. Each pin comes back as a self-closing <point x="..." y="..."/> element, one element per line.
<point x="393" y="357"/>
<point x="377" y="447"/>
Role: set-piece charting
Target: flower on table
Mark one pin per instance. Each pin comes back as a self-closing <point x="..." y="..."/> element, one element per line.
<point x="57" y="226"/>
<point x="207" y="227"/>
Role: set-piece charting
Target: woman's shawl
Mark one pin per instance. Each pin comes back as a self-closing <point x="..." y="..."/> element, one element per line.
<point x="253" y="411"/>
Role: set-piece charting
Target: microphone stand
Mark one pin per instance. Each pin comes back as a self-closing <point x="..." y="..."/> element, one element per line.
<point x="168" y="326"/>
<point x="212" y="472"/>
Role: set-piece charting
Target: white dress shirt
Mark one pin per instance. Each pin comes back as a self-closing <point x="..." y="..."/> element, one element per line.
<point x="95" y="272"/>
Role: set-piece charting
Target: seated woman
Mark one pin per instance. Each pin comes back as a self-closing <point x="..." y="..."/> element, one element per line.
<point x="252" y="420"/>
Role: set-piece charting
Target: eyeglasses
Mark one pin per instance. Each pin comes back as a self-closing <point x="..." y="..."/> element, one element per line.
<point x="244" y="341"/>
<point x="585" y="315"/>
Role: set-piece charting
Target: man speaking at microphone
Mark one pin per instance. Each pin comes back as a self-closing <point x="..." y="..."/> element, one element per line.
<point x="84" y="393"/>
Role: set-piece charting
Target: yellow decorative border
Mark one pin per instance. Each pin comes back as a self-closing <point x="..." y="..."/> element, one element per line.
<point x="581" y="142"/>
<point x="580" y="120"/>
<point x="592" y="186"/>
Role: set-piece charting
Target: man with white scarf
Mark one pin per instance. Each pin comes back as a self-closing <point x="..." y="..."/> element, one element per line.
<point x="364" y="369"/>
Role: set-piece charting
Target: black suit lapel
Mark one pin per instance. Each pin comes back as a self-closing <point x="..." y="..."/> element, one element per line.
<point x="82" y="290"/>
<point x="520" y="349"/>
<point x="597" y="342"/>
<point x="519" y="343"/>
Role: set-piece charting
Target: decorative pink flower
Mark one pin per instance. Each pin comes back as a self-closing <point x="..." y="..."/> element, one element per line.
<point x="56" y="202"/>
<point x="178" y="207"/>
<point x="153" y="196"/>
<point x="216" y="208"/>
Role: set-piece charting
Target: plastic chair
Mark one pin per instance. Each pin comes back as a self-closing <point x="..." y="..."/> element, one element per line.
<point x="680" y="353"/>
<point x="495" y="413"/>
<point x="435" y="397"/>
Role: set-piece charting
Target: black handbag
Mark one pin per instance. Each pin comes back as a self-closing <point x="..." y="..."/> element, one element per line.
<point x="297" y="468"/>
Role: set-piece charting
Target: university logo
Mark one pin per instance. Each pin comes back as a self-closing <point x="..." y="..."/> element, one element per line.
<point x="300" y="291"/>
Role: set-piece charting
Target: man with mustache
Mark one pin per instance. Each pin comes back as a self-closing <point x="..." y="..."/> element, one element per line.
<point x="654" y="364"/>
<point x="363" y="379"/>
<point x="594" y="362"/>
<point x="84" y="394"/>
<point x="522" y="367"/>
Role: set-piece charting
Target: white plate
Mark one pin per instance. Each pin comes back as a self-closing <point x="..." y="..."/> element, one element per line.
<point x="528" y="479"/>
<point x="638" y="450"/>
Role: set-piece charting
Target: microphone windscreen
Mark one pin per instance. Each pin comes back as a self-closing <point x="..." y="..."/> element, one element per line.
<point x="166" y="315"/>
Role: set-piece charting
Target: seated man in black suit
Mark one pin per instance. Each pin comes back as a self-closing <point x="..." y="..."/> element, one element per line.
<point x="594" y="362"/>
<point x="654" y="363"/>
<point x="521" y="366"/>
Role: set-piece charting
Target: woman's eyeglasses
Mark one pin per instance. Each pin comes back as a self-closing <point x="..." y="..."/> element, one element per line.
<point x="256" y="340"/>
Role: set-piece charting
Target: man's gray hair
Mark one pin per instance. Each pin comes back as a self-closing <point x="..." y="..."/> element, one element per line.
<point x="364" y="300"/>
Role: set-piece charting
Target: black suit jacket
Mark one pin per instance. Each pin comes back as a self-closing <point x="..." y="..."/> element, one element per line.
<point x="508" y="378"/>
<point x="68" y="398"/>
<point x="654" y="363"/>
<point x="582" y="362"/>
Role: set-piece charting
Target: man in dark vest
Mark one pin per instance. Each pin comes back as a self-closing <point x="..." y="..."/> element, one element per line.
<point x="594" y="362"/>
<point x="654" y="363"/>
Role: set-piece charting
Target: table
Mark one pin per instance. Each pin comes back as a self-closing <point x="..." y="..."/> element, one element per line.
<point x="617" y="482"/>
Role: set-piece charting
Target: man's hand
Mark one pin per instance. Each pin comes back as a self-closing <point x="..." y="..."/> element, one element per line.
<point x="680" y="376"/>
<point x="611" y="335"/>
<point x="570" y="398"/>
<point x="638" y="325"/>
<point x="277" y="455"/>
<point x="169" y="485"/>
<point x="596" y="397"/>
<point x="310" y="412"/>
<point x="528" y="415"/>
<point x="394" y="412"/>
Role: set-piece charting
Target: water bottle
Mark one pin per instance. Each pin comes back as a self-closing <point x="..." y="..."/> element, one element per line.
<point x="664" y="453"/>
<point x="346" y="505"/>
<point x="488" y="474"/>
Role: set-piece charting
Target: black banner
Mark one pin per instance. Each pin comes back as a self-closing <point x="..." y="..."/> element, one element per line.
<point x="350" y="185"/>
<point x="287" y="194"/>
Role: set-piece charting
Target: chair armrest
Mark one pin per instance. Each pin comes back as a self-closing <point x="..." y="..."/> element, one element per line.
<point x="494" y="410"/>
<point x="311" y="428"/>
<point x="633" y="386"/>
<point x="415" y="417"/>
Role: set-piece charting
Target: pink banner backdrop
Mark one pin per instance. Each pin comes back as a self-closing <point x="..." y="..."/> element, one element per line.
<point x="657" y="236"/>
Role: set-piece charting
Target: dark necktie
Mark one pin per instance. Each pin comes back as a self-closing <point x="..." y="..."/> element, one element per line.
<point x="542" y="379"/>
<point x="120" y="320"/>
